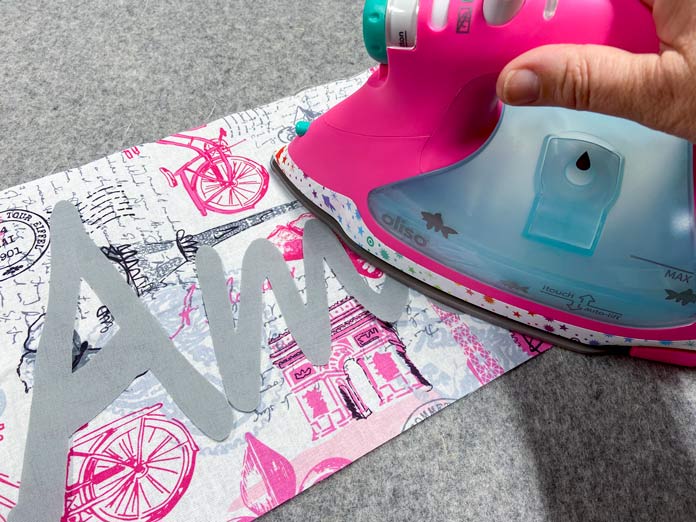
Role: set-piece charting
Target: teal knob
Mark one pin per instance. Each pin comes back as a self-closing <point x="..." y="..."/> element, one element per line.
<point x="375" y="29"/>
<point x="301" y="128"/>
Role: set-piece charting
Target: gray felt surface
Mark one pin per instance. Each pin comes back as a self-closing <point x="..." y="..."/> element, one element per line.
<point x="565" y="437"/>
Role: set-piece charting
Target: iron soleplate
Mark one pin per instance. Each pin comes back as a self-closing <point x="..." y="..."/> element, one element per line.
<point x="441" y="297"/>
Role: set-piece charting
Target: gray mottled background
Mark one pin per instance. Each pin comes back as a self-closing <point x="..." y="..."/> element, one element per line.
<point x="563" y="438"/>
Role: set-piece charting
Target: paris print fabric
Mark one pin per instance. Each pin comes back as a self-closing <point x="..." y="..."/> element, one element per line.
<point x="149" y="208"/>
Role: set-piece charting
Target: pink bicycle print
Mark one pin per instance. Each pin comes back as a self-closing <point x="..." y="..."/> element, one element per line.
<point x="8" y="492"/>
<point x="216" y="180"/>
<point x="136" y="468"/>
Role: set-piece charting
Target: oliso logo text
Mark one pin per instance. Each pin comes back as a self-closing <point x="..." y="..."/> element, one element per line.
<point x="402" y="228"/>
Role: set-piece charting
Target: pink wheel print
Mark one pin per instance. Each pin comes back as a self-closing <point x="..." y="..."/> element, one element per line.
<point x="231" y="184"/>
<point x="137" y="471"/>
<point x="214" y="179"/>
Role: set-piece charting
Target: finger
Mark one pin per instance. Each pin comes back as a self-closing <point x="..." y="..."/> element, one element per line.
<point x="645" y="88"/>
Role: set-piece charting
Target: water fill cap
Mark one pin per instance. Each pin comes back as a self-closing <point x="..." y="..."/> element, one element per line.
<point x="375" y="29"/>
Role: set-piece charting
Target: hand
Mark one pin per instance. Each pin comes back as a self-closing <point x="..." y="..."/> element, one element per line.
<point x="657" y="90"/>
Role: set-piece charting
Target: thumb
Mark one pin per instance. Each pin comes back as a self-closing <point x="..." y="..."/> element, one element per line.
<point x="601" y="79"/>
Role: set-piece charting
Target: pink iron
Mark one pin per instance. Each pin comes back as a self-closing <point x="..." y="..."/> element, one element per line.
<point x="574" y="228"/>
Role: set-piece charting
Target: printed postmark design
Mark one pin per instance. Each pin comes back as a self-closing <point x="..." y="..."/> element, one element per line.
<point x="24" y="238"/>
<point x="426" y="410"/>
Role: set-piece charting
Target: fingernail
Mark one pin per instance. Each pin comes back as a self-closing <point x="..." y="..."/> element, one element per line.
<point x="521" y="87"/>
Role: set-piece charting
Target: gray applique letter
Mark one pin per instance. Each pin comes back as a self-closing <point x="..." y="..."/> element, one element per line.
<point x="63" y="401"/>
<point x="238" y="351"/>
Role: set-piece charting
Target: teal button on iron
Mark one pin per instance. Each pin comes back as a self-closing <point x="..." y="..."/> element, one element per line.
<point x="301" y="128"/>
<point x="375" y="29"/>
